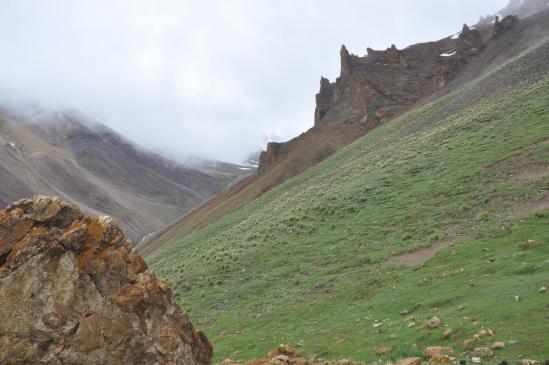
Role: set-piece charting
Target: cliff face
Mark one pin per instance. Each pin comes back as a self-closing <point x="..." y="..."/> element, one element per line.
<point x="75" y="291"/>
<point x="377" y="87"/>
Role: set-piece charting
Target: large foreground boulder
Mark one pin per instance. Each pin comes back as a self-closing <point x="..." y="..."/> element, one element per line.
<point x="73" y="290"/>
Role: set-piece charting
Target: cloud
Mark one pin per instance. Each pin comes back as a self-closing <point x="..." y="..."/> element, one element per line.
<point x="207" y="78"/>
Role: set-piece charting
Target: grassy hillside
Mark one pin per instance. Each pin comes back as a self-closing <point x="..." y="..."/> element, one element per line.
<point x="312" y="262"/>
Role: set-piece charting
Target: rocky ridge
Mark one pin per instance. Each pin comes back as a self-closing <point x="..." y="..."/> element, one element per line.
<point x="75" y="291"/>
<point x="375" y="88"/>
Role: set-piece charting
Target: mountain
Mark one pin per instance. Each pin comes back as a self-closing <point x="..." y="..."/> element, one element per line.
<point x="370" y="91"/>
<point x="76" y="158"/>
<point x="432" y="229"/>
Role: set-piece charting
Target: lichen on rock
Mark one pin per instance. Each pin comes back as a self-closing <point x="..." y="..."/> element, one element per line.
<point x="75" y="291"/>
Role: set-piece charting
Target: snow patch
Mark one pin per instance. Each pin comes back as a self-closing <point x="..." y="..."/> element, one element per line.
<point x="245" y="168"/>
<point x="456" y="36"/>
<point x="448" y="54"/>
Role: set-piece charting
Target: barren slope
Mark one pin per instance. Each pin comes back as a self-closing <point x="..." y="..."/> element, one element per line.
<point x="81" y="161"/>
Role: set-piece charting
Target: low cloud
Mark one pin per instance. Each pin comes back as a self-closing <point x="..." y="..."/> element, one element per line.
<point x="207" y="78"/>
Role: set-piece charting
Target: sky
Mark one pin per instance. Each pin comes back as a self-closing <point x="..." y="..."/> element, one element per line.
<point x="202" y="77"/>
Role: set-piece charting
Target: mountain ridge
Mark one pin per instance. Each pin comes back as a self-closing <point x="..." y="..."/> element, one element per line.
<point x="72" y="156"/>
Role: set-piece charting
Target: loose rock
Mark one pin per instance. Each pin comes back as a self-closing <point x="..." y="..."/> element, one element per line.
<point x="409" y="361"/>
<point x="436" y="350"/>
<point x="483" y="352"/>
<point x="498" y="345"/>
<point x="434" y="322"/>
<point x="383" y="350"/>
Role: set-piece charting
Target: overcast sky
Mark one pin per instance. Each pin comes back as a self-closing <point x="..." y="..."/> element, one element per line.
<point x="208" y="78"/>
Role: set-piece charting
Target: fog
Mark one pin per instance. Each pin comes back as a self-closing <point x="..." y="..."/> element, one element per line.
<point x="204" y="78"/>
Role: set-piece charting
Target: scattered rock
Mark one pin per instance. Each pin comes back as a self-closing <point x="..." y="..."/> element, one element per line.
<point x="484" y="333"/>
<point x="75" y="291"/>
<point x="542" y="289"/>
<point x="404" y="312"/>
<point x="476" y="360"/>
<point x="498" y="345"/>
<point x="436" y="350"/>
<point x="529" y="362"/>
<point x="434" y="322"/>
<point x="483" y="352"/>
<point x="437" y="359"/>
<point x="448" y="333"/>
<point x="529" y="244"/>
<point x="409" y="361"/>
<point x="469" y="343"/>
<point x="383" y="350"/>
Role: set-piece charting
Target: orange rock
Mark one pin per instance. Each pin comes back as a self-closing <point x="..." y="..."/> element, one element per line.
<point x="89" y="289"/>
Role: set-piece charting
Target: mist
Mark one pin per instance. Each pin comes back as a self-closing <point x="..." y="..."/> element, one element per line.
<point x="202" y="78"/>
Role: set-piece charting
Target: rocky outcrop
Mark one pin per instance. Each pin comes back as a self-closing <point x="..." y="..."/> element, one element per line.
<point x="375" y="88"/>
<point x="75" y="291"/>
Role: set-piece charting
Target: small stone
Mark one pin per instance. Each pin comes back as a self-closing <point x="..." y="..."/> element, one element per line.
<point x="542" y="289"/>
<point x="411" y="324"/>
<point x="476" y="360"/>
<point x="404" y="312"/>
<point x="483" y="352"/>
<point x="468" y="343"/>
<point x="498" y="345"/>
<point x="461" y="307"/>
<point x="483" y="333"/>
<point x="280" y="358"/>
<point x="434" y="350"/>
<point x="409" y="361"/>
<point x="434" y="309"/>
<point x="448" y="333"/>
<point x="383" y="350"/>
<point x="434" y="322"/>
<point x="438" y="359"/>
<point x="529" y="362"/>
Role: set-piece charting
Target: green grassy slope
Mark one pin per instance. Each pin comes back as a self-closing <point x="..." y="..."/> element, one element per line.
<point x="306" y="264"/>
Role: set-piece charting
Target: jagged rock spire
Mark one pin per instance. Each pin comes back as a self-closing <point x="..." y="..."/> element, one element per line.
<point x="345" y="61"/>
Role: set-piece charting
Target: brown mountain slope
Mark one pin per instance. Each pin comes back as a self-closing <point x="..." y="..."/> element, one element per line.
<point x="80" y="160"/>
<point x="371" y="90"/>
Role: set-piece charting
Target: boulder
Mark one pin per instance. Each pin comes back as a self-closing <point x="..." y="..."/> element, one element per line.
<point x="75" y="291"/>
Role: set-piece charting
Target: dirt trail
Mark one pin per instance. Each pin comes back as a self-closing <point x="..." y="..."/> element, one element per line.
<point x="417" y="257"/>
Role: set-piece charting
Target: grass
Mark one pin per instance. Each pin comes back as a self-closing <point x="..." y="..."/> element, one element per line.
<point x="304" y="264"/>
